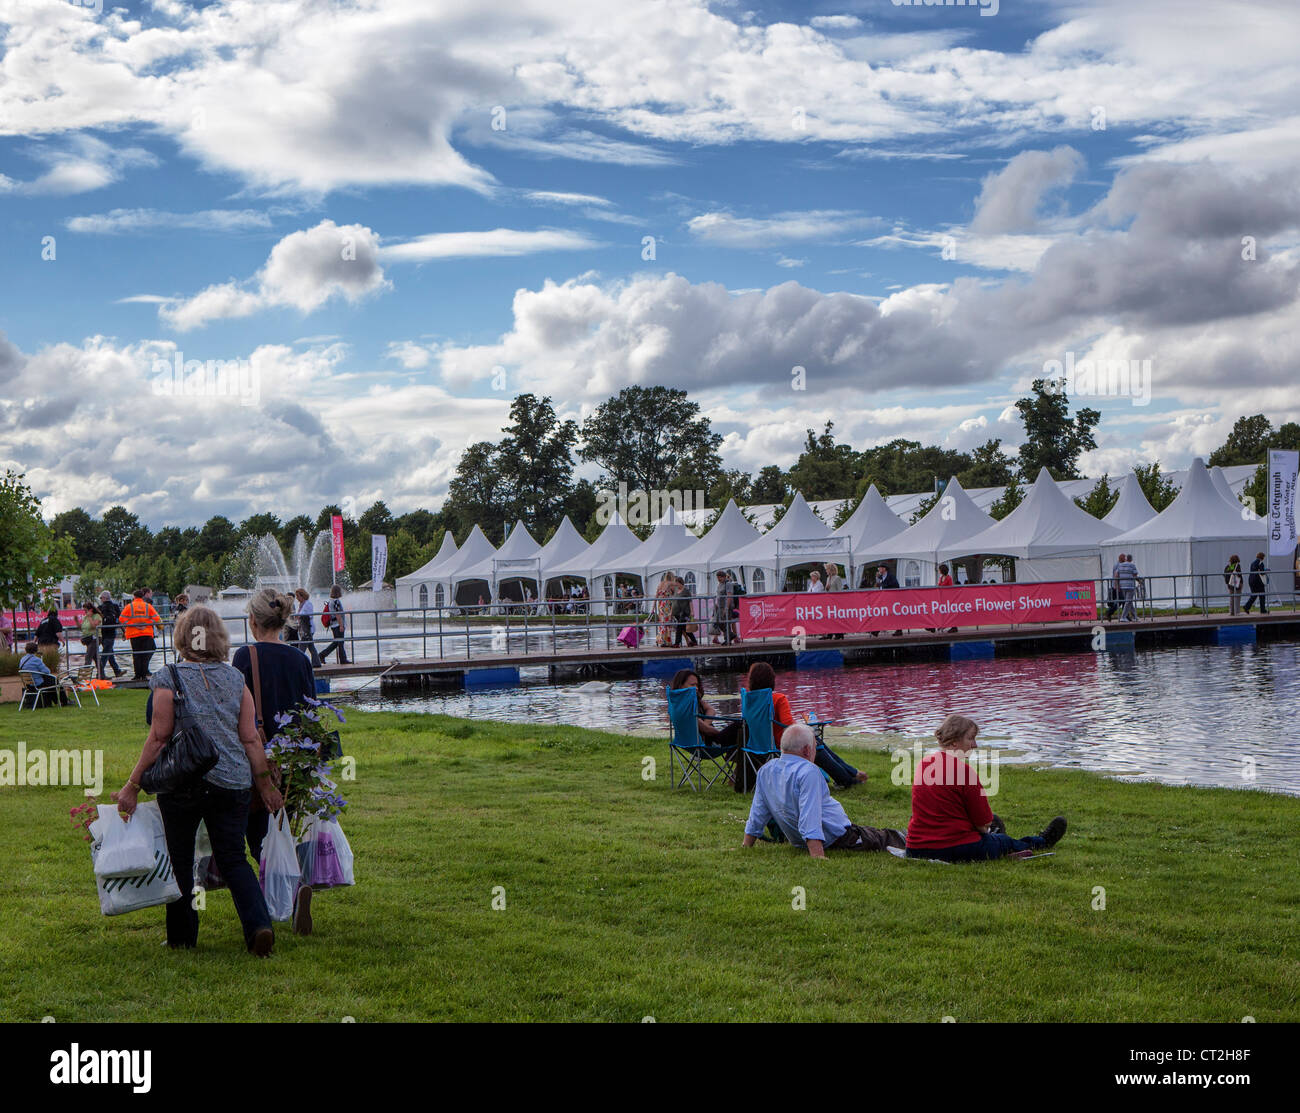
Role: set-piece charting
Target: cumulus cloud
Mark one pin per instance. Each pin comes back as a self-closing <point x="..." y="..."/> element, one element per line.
<point x="1010" y="200"/>
<point x="78" y="165"/>
<point x="303" y="271"/>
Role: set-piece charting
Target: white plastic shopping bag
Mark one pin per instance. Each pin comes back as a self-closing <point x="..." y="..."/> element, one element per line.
<point x="126" y="847"/>
<point x="279" y="870"/>
<point x="152" y="887"/>
<point x="324" y="855"/>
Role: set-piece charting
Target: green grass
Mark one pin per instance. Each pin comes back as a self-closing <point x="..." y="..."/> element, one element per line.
<point x="626" y="899"/>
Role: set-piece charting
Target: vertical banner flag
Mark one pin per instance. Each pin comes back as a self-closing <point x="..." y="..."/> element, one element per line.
<point x="336" y="530"/>
<point x="378" y="560"/>
<point x="1282" y="468"/>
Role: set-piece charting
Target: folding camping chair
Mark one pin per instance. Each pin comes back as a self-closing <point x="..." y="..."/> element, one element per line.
<point x="699" y="760"/>
<point x="759" y="745"/>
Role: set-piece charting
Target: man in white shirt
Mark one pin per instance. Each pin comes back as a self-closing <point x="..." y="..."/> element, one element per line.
<point x="792" y="792"/>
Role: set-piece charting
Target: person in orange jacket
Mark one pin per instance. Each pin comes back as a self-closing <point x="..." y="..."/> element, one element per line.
<point x="139" y="621"/>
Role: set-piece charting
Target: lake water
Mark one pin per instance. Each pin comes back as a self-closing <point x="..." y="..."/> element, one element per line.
<point x="1198" y="715"/>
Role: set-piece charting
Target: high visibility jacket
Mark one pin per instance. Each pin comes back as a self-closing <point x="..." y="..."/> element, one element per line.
<point x="138" y="619"/>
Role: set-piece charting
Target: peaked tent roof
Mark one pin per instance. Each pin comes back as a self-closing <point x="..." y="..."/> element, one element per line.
<point x="520" y="545"/>
<point x="871" y="523"/>
<point x="732" y="531"/>
<point x="943" y="530"/>
<point x="1131" y="508"/>
<point x="798" y="523"/>
<point x="433" y="569"/>
<point x="670" y="539"/>
<point x="476" y="549"/>
<point x="1199" y="513"/>
<point x="1047" y="523"/>
<point x="1222" y="485"/>
<point x="615" y="541"/>
<point x="565" y="544"/>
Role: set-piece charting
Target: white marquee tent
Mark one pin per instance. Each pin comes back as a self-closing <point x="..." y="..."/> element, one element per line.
<point x="670" y="539"/>
<point x="476" y="549"/>
<point x="565" y="545"/>
<point x="936" y="538"/>
<point x="427" y="577"/>
<point x="1131" y="509"/>
<point x="716" y="549"/>
<point x="870" y="524"/>
<point x="614" y="543"/>
<point x="515" y="560"/>
<point x="800" y="537"/>
<point x="1049" y="534"/>
<point x="1190" y="540"/>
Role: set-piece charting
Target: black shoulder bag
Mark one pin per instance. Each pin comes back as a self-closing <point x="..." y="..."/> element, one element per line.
<point x="190" y="753"/>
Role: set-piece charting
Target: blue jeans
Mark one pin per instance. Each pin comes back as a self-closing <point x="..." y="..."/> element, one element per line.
<point x="983" y="850"/>
<point x="225" y="811"/>
<point x="841" y="772"/>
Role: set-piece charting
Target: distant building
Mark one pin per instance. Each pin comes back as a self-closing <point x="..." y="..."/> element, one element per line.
<point x="198" y="593"/>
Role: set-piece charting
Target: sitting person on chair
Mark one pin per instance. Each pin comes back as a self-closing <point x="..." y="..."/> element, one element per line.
<point x="41" y="676"/>
<point x="792" y="792"/>
<point x="762" y="675"/>
<point x="951" y="817"/>
<point x="727" y="736"/>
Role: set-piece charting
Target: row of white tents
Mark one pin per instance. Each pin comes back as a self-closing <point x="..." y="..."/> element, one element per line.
<point x="1048" y="536"/>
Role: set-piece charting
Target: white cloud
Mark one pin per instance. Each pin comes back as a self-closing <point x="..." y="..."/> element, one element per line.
<point x="785" y="261"/>
<point x="79" y="165"/>
<point x="835" y="22"/>
<point x="120" y="221"/>
<point x="410" y="355"/>
<point x="1010" y="200"/>
<point x="497" y="242"/>
<point x="303" y="271"/>
<point x="726" y="230"/>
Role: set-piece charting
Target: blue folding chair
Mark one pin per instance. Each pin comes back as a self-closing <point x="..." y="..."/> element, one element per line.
<point x="702" y="764"/>
<point x="759" y="745"/>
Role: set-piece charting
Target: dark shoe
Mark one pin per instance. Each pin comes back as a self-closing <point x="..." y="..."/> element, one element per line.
<point x="997" y="827"/>
<point x="263" y="941"/>
<point x="1051" y="834"/>
<point x="302" y="911"/>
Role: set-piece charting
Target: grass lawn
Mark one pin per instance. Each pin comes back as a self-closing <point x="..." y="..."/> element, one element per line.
<point x="626" y="899"/>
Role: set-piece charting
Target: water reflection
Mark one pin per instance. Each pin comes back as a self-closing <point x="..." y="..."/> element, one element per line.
<point x="1201" y="715"/>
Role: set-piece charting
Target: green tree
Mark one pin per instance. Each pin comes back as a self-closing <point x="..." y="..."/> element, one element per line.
<point x="1010" y="498"/>
<point x="217" y="537"/>
<point x="731" y="483"/>
<point x="1053" y="440"/>
<point x="1101" y="499"/>
<point x="825" y="470"/>
<point x="1248" y="443"/>
<point x="423" y="526"/>
<point x="377" y="519"/>
<point x="259" y="525"/>
<point x="989" y="467"/>
<point x="88" y="536"/>
<point x="126" y="537"/>
<point x="535" y="462"/>
<point x="769" y="486"/>
<point x="580" y="507"/>
<point x="1159" y="489"/>
<point x="643" y="435"/>
<point x="32" y="559"/>
<point x="902" y="466"/>
<point x="294" y="526"/>
<point x="476" y="494"/>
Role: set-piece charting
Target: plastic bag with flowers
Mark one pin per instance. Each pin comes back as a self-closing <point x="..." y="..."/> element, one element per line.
<point x="304" y="748"/>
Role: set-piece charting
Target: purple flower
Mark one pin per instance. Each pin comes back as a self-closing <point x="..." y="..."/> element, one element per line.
<point x="313" y="702"/>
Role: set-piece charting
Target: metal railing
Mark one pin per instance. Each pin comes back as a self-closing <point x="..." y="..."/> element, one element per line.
<point x="542" y="630"/>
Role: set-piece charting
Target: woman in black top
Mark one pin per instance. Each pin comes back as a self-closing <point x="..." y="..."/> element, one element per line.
<point x="48" y="631"/>
<point x="286" y="680"/>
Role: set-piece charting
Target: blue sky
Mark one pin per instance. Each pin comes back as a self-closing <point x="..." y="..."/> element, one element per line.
<point x="915" y="203"/>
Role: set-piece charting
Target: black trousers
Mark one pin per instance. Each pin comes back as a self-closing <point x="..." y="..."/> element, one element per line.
<point x="142" y="651"/>
<point x="106" y="657"/>
<point x="337" y="643"/>
<point x="869" y="838"/>
<point x="1261" y="596"/>
<point x="225" y="811"/>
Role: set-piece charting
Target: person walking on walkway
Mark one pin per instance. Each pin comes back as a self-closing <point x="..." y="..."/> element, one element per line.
<point x="1233" y="578"/>
<point x="335" y="617"/>
<point x="306" y="638"/>
<point x="91" y="621"/>
<point x="1127" y="578"/>
<point x="682" y="617"/>
<point x="109" y="613"/>
<point x="1258" y="584"/>
<point x="139" y="621"/>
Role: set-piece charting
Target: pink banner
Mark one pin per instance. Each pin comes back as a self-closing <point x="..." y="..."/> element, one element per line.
<point x="336" y="527"/>
<point x="916" y="608"/>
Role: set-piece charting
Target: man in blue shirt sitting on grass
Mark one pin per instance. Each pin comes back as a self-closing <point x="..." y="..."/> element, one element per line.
<point x="792" y="792"/>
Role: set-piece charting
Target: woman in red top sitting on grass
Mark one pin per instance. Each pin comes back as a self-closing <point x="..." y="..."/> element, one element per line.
<point x="761" y="675"/>
<point x="951" y="817"/>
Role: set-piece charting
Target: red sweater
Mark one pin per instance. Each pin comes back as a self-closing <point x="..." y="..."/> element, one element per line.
<point x="948" y="803"/>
